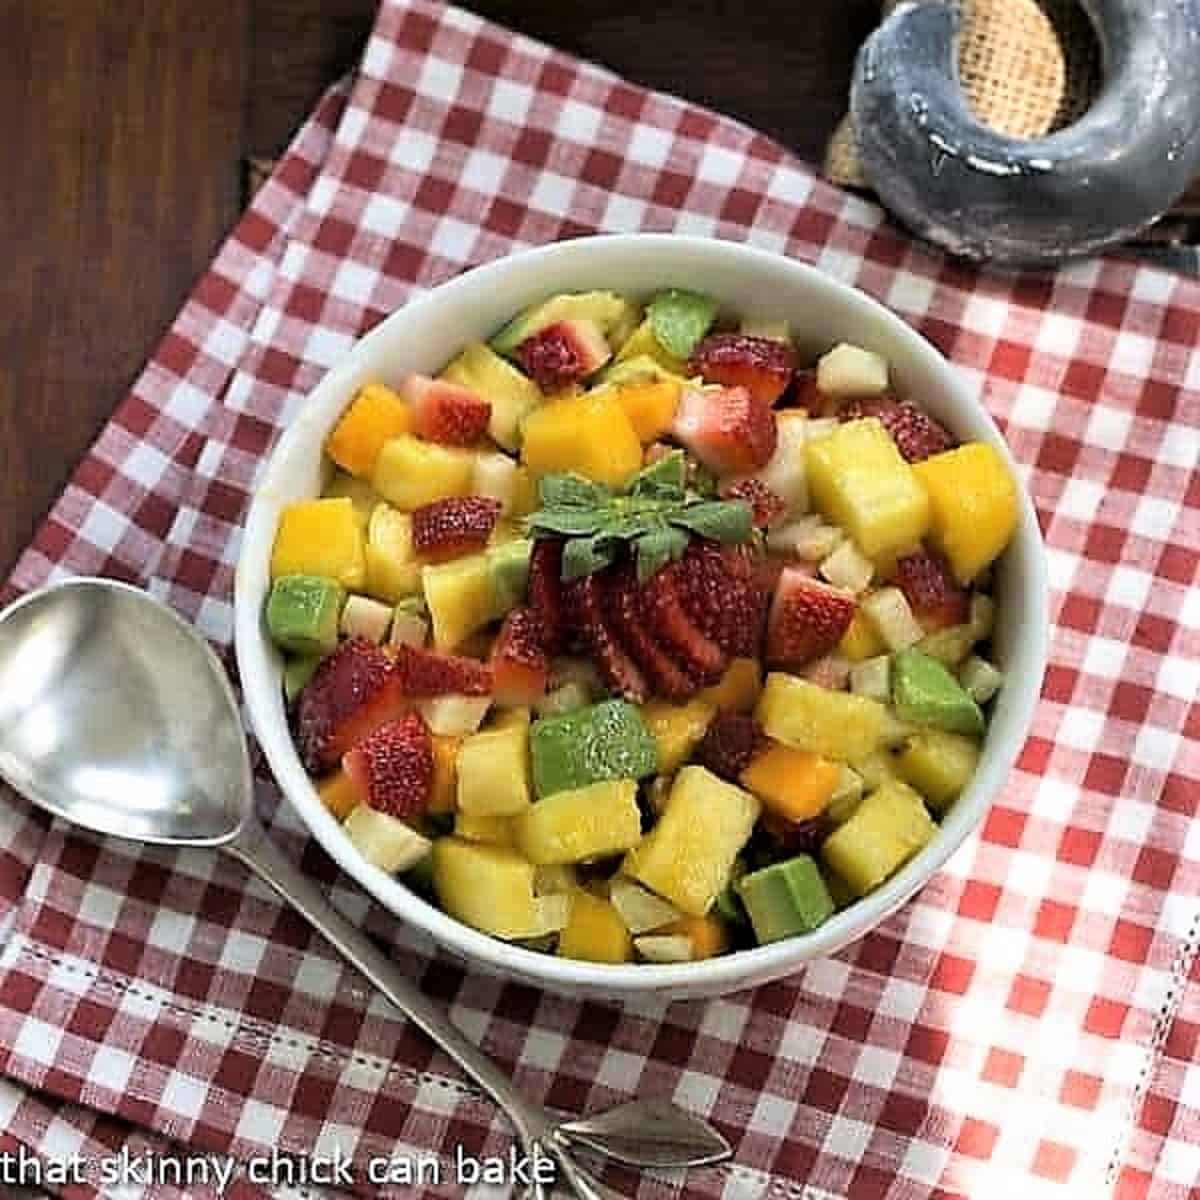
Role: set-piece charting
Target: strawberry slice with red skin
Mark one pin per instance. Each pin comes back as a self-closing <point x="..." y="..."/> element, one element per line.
<point x="722" y="593"/>
<point x="731" y="431"/>
<point x="425" y="673"/>
<point x="729" y="743"/>
<point x="520" y="664"/>
<point x="564" y="353"/>
<point x="392" y="768"/>
<point x="806" y="621"/>
<point x="766" y="504"/>
<point x="545" y="591"/>
<point x="453" y="526"/>
<point x="673" y="626"/>
<point x="353" y="691"/>
<point x="666" y="676"/>
<point x="931" y="590"/>
<point x="446" y="412"/>
<point x="586" y="601"/>
<point x="916" y="434"/>
<point x="762" y="365"/>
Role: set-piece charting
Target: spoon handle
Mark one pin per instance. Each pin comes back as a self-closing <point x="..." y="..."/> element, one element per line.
<point x="253" y="848"/>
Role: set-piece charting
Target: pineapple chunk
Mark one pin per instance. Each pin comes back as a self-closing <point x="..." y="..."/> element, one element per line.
<point x="588" y="434"/>
<point x="848" y="371"/>
<point x="444" y="792"/>
<point x="650" y="406"/>
<point x="320" y="537"/>
<point x="858" y="479"/>
<point x="677" y="729"/>
<point x="582" y="824"/>
<point x="410" y="472"/>
<point x="375" y="414"/>
<point x="886" y="830"/>
<point x="738" y="689"/>
<point x="688" y="856"/>
<point x="493" y="772"/>
<point x="511" y="394"/>
<point x="487" y="887"/>
<point x="384" y="841"/>
<point x="939" y="765"/>
<point x="393" y="571"/>
<point x="594" y="932"/>
<point x="792" y="784"/>
<point x="973" y="502"/>
<point x="495" y="831"/>
<point x="358" y="491"/>
<point x="835" y="725"/>
<point x="459" y="597"/>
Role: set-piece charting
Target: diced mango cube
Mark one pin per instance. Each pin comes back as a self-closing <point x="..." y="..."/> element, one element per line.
<point x="650" y="406"/>
<point x="793" y="784"/>
<point x="738" y="689"/>
<point x="835" y="725"/>
<point x="444" y="792"/>
<point x="709" y="935"/>
<point x="320" y="537"/>
<point x="973" y="500"/>
<point x="375" y="414"/>
<point x="338" y="794"/>
<point x="393" y="571"/>
<point x="859" y="480"/>
<point x="594" y="932"/>
<point x="677" y="730"/>
<point x="588" y="434"/>
<point x="487" y="887"/>
<point x="410" y="472"/>
<point x="580" y="824"/>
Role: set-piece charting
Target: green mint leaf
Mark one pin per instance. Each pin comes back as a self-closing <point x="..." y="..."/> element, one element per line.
<point x="722" y="520"/>
<point x="571" y="490"/>
<point x="680" y="319"/>
<point x="582" y="556"/>
<point x="662" y="480"/>
<point x="568" y="521"/>
<point x="658" y="547"/>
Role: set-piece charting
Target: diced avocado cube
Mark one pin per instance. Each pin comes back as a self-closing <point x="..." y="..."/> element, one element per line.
<point x="303" y="613"/>
<point x="296" y="673"/>
<point x="680" y="319"/>
<point x="603" y="741"/>
<point x="508" y="571"/>
<point x="786" y="898"/>
<point x="925" y="693"/>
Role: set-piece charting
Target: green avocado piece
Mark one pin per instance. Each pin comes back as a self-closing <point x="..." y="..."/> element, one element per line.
<point x="508" y="572"/>
<point x="511" y="394"/>
<point x="303" y="613"/>
<point x="925" y="693"/>
<point x="680" y="319"/>
<point x="616" y="315"/>
<point x="603" y="741"/>
<point x="296" y="673"/>
<point x="786" y="898"/>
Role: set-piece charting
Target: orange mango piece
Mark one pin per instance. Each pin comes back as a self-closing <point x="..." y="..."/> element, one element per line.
<point x="738" y="689"/>
<point x="444" y="793"/>
<point x="793" y="784"/>
<point x="650" y="406"/>
<point x="708" y="934"/>
<point x="375" y="415"/>
<point x="338" y="794"/>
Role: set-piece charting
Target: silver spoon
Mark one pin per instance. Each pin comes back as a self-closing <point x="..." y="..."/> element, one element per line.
<point x="116" y="715"/>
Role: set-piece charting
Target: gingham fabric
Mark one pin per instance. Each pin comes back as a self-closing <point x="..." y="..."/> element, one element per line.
<point x="1026" y="1027"/>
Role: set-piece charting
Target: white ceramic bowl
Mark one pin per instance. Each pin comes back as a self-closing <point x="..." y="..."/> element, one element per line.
<point x="422" y="337"/>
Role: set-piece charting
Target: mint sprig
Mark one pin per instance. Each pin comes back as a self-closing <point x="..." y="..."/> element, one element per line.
<point x="654" y="517"/>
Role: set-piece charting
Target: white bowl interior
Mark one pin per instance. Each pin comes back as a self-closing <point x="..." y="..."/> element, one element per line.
<point x="422" y="337"/>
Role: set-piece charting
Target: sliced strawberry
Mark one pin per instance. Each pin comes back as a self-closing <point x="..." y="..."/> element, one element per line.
<point x="392" y="769"/>
<point x="624" y="604"/>
<point x="931" y="590"/>
<point x="731" y="431"/>
<point x="673" y="626"/>
<point x="766" y="505"/>
<point x="446" y="412"/>
<point x="589" y="617"/>
<point x="453" y="526"/>
<point x="807" y="619"/>
<point x="762" y="365"/>
<point x="545" y="591"/>
<point x="354" y="691"/>
<point x="520" y="664"/>
<point x="564" y="353"/>
<point x="730" y="742"/>
<point x="916" y="434"/>
<point x="426" y="673"/>
<point x="722" y="593"/>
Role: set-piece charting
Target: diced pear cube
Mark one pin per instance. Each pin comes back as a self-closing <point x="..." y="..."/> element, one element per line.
<point x="320" y="537"/>
<point x="664" y="948"/>
<point x="835" y="725"/>
<point x="847" y="567"/>
<point x="496" y="477"/>
<point x="888" y="610"/>
<point x="980" y="679"/>
<point x="410" y="472"/>
<point x="454" y="716"/>
<point x="582" y="824"/>
<point x="859" y="480"/>
<point x="487" y="887"/>
<point x="688" y="856"/>
<point x="848" y="371"/>
<point x="363" y="617"/>
<point x="493" y="772"/>
<point x="384" y="841"/>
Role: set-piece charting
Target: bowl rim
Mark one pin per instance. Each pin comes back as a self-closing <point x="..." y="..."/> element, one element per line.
<point x="725" y="972"/>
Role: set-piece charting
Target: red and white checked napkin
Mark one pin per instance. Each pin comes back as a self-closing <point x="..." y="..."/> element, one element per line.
<point x="1026" y="1027"/>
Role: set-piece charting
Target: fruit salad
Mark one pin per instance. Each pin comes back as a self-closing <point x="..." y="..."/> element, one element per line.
<point x="632" y="636"/>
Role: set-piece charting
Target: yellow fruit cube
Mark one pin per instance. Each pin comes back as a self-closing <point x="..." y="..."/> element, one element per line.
<point x="525" y="493"/>
<point x="859" y="480"/>
<point x="320" y="537"/>
<point x="643" y="342"/>
<point x="861" y="640"/>
<point x="495" y="831"/>
<point x="688" y="856"/>
<point x="677" y="729"/>
<point x="738" y="689"/>
<point x="338" y="794"/>
<point x="973" y="500"/>
<point x="410" y="472"/>
<point x="594" y="932"/>
<point x="588" y="434"/>
<point x="650" y="406"/>
<point x="580" y="824"/>
<point x="709" y="935"/>
<point x="487" y="887"/>
<point x="493" y="772"/>
<point x="459" y="597"/>
<point x="886" y="830"/>
<point x="375" y="414"/>
<point x="791" y="783"/>
<point x="444" y="793"/>
<point x="835" y="725"/>
<point x="358" y="491"/>
<point x="939" y="765"/>
<point x="393" y="571"/>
